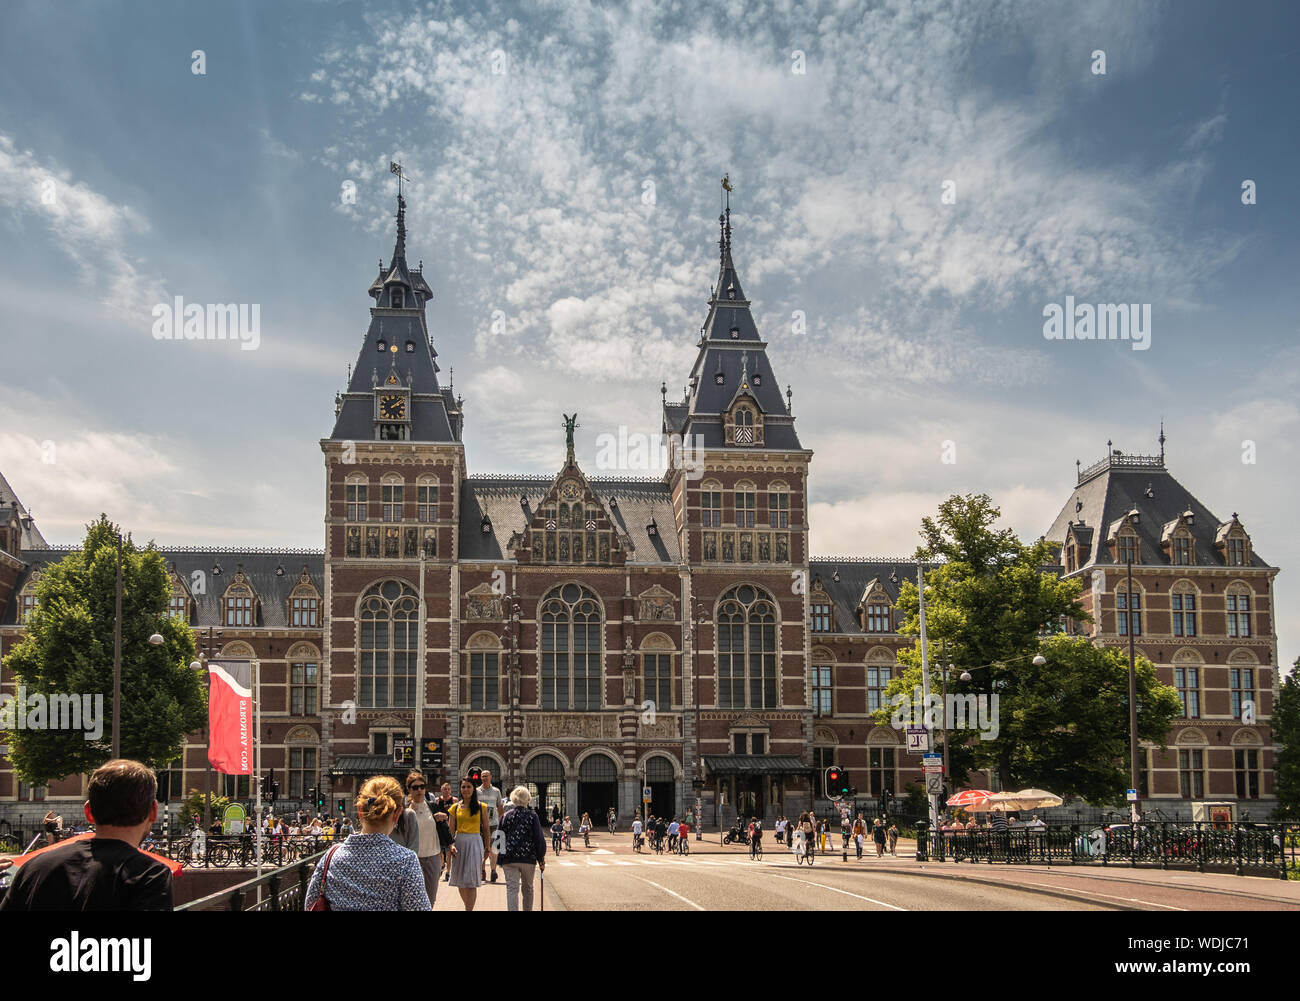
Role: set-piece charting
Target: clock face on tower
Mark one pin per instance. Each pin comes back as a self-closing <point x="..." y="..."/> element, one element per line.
<point x="392" y="408"/>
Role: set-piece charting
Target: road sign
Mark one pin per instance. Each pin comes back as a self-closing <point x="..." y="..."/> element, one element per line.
<point x="933" y="784"/>
<point x="403" y="752"/>
<point x="645" y="795"/>
<point x="1132" y="795"/>
<point x="932" y="764"/>
<point x="431" y="752"/>
<point x="916" y="739"/>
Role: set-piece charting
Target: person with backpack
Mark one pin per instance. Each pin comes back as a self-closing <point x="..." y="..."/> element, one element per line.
<point x="859" y="835"/>
<point x="524" y="850"/>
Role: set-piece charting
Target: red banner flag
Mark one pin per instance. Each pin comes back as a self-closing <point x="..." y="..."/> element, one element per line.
<point x="230" y="717"/>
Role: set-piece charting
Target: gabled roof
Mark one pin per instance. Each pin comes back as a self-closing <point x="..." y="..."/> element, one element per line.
<point x="731" y="352"/>
<point x="1109" y="490"/>
<point x="631" y="504"/>
<point x="398" y="339"/>
<point x="271" y="573"/>
<point x="31" y="536"/>
<point x="846" y="581"/>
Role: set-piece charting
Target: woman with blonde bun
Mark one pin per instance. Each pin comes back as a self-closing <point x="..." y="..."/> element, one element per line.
<point x="370" y="871"/>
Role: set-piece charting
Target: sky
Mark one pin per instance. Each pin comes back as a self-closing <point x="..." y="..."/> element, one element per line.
<point x="916" y="183"/>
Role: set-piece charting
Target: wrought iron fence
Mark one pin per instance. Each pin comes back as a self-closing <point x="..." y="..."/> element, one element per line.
<point x="238" y="851"/>
<point x="1241" y="847"/>
<point x="283" y="889"/>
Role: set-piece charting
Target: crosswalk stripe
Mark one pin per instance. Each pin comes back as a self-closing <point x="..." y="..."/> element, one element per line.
<point x="568" y="863"/>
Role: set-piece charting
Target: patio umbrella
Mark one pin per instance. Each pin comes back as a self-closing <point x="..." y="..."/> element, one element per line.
<point x="1025" y="799"/>
<point x="18" y="860"/>
<point x="974" y="800"/>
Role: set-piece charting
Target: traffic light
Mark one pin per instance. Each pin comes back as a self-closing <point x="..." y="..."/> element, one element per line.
<point x="275" y="790"/>
<point x="475" y="775"/>
<point x="320" y="799"/>
<point x="943" y="797"/>
<point x="837" y="783"/>
<point x="311" y="794"/>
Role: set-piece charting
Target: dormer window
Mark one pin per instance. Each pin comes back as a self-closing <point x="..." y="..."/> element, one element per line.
<point x="719" y="378"/>
<point x="758" y="378"/>
<point x="381" y="345"/>
<point x="410" y="347"/>
<point x="1236" y="552"/>
<point x="1126" y="551"/>
<point x="398" y="300"/>
<point x="820" y="614"/>
<point x="735" y="333"/>
<point x="239" y="605"/>
<point x="1183" y="551"/>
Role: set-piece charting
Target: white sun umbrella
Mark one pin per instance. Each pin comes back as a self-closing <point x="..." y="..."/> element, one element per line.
<point x="1025" y="799"/>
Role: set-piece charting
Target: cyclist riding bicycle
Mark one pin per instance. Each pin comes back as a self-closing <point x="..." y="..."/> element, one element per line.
<point x="755" y="837"/>
<point x="683" y="838"/>
<point x="557" y="837"/>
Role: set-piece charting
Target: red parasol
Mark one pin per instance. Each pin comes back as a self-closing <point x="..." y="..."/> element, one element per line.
<point x="18" y="860"/>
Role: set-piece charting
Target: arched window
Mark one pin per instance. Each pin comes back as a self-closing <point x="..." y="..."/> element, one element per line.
<point x="571" y="648"/>
<point x="388" y="626"/>
<point x="1237" y="600"/>
<point x="391" y="496"/>
<point x="239" y="605"/>
<point x="304" y="679"/>
<point x="1182" y="607"/>
<point x="484" y="671"/>
<point x="27" y="599"/>
<point x="745" y="504"/>
<point x="426" y="495"/>
<point x="746" y="649"/>
<point x="356" y="489"/>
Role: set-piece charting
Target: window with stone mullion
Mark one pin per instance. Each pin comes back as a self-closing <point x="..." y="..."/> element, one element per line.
<point x="484" y="681"/>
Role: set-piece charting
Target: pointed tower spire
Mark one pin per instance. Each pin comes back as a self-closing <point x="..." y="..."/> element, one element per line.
<point x="1162" y="441"/>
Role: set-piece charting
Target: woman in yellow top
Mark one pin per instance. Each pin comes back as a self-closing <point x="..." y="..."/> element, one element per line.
<point x="469" y="830"/>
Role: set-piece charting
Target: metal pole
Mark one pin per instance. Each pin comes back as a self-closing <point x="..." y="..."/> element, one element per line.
<point x="207" y="744"/>
<point x="117" y="657"/>
<point x="1132" y="692"/>
<point x="257" y="767"/>
<point x="419" y="688"/>
<point x="943" y="675"/>
<point x="925" y="686"/>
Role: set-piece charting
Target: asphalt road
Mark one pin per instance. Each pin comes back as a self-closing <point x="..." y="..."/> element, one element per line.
<point x="622" y="881"/>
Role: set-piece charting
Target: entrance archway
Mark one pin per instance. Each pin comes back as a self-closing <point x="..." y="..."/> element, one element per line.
<point x="545" y="779"/>
<point x="659" y="776"/>
<point x="597" y="788"/>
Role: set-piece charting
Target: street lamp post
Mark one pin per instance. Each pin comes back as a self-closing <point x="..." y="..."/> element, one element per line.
<point x="512" y="623"/>
<point x="1132" y="688"/>
<point x="198" y="665"/>
<point x="696" y="616"/>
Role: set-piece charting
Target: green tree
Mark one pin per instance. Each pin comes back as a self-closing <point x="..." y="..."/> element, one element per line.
<point x="1286" y="733"/>
<point x="68" y="648"/>
<point x="990" y="609"/>
<point x="193" y="807"/>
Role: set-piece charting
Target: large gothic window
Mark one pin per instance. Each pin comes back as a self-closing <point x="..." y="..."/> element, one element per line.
<point x="389" y="620"/>
<point x="571" y="645"/>
<point x="746" y="649"/>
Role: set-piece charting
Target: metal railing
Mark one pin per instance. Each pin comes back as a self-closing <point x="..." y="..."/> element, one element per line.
<point x="1241" y="847"/>
<point x="283" y="889"/>
<point x="237" y="851"/>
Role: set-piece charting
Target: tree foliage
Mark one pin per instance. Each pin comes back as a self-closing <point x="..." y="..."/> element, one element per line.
<point x="990" y="608"/>
<point x="1286" y="733"/>
<point x="68" y="648"/>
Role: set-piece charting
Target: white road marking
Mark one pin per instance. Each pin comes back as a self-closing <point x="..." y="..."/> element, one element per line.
<point x="834" y="889"/>
<point x="567" y="863"/>
<point x="592" y="861"/>
<point x="1094" y="893"/>
<point x="671" y="893"/>
<point x="601" y="851"/>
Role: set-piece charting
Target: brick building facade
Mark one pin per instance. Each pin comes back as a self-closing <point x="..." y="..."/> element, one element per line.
<point x="591" y="636"/>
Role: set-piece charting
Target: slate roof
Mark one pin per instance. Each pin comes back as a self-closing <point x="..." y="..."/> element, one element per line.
<point x="435" y="413"/>
<point x="730" y="355"/>
<point x="260" y="566"/>
<point x="1109" y="489"/>
<point x="854" y="576"/>
<point x="31" y="538"/>
<point x="639" y="502"/>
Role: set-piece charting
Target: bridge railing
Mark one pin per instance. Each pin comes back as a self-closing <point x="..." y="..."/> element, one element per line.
<point x="282" y="889"/>
<point x="1242" y="847"/>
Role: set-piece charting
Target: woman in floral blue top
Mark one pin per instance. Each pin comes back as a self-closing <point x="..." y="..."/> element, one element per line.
<point x="370" y="871"/>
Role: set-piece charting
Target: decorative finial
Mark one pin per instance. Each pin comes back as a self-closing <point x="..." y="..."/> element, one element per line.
<point x="663" y="390"/>
<point x="570" y="422"/>
<point x="744" y="370"/>
<point x="1162" y="440"/>
<point x="789" y="396"/>
<point x="1078" y="470"/>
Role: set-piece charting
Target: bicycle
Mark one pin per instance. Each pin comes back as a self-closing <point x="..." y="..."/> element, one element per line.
<point x="756" y="849"/>
<point x="657" y="843"/>
<point x="683" y="846"/>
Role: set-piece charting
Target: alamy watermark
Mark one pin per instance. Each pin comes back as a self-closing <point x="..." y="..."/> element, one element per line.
<point x="637" y="452"/>
<point x="1107" y="321"/>
<point x="54" y="712"/>
<point x="955" y="712"/>
<point x="215" y="321"/>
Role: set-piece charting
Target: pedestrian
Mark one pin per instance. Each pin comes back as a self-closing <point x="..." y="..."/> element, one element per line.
<point x="636" y="833"/>
<point x="568" y="833"/>
<point x="370" y="871"/>
<point x="893" y="838"/>
<point x="51" y="828"/>
<point x="878" y="831"/>
<point x="105" y="872"/>
<point x="821" y="833"/>
<point x="490" y="798"/>
<point x="844" y="829"/>
<point x="779" y="829"/>
<point x="428" y="845"/>
<point x="469" y="829"/>
<point x="673" y="828"/>
<point x="443" y="805"/>
<point x="523" y="850"/>
<point x="611" y="819"/>
<point x="859" y="835"/>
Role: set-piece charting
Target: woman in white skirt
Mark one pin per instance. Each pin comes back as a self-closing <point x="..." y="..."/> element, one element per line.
<point x="469" y="831"/>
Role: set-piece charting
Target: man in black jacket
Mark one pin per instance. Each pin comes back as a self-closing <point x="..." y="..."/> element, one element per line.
<point x="106" y="872"/>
